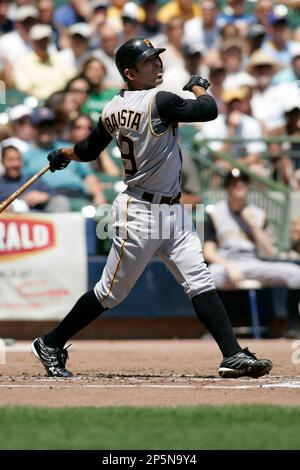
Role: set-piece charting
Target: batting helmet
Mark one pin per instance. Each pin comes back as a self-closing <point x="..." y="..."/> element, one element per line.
<point x="133" y="51"/>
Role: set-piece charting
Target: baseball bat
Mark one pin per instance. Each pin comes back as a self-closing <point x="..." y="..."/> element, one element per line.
<point x="23" y="188"/>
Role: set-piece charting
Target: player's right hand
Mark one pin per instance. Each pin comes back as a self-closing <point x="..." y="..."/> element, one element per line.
<point x="196" y="80"/>
<point x="57" y="160"/>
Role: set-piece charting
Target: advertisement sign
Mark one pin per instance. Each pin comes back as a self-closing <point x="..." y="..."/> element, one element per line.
<point x="43" y="265"/>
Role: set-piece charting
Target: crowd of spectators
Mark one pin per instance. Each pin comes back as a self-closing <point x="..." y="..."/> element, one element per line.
<point x="58" y="58"/>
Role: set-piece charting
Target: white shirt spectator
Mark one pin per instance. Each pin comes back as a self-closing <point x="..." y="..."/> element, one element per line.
<point x="268" y="106"/>
<point x="249" y="128"/>
<point x="195" y="34"/>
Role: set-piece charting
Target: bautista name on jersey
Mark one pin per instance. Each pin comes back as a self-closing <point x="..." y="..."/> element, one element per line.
<point x="124" y="118"/>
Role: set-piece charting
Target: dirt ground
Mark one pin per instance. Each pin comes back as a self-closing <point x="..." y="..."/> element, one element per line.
<point x="149" y="373"/>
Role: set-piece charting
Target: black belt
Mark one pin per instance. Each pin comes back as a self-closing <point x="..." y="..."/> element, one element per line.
<point x="163" y="200"/>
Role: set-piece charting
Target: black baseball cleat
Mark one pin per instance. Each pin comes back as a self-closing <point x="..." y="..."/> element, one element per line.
<point x="244" y="364"/>
<point x="53" y="359"/>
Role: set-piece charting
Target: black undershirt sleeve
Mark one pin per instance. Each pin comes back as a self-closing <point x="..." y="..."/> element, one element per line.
<point x="171" y="107"/>
<point x="89" y="149"/>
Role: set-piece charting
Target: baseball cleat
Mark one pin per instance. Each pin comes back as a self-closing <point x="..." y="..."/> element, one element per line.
<point x="244" y="364"/>
<point x="53" y="359"/>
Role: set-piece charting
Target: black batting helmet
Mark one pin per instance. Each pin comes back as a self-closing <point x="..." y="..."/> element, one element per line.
<point x="133" y="51"/>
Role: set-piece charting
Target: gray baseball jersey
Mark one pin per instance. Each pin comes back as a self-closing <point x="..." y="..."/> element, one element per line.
<point x="149" y="147"/>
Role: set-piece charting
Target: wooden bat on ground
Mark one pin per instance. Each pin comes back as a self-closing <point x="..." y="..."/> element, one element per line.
<point x="23" y="188"/>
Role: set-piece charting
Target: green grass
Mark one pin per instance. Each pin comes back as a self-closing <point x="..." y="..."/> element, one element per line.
<point x="251" y="427"/>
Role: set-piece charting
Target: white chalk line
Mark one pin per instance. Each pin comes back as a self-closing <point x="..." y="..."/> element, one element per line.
<point x="288" y="384"/>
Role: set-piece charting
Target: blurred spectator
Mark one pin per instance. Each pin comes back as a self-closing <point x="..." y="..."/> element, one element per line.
<point x="292" y="117"/>
<point x="74" y="11"/>
<point x="99" y="17"/>
<point x="40" y="73"/>
<point x="22" y="130"/>
<point x="15" y="44"/>
<point x="65" y="107"/>
<point x="46" y="16"/>
<point x="130" y="20"/>
<point x="296" y="35"/>
<point x="109" y="44"/>
<point x="79" y="50"/>
<point x="237" y="124"/>
<point x="267" y="101"/>
<point x="235" y="236"/>
<point x="232" y="57"/>
<point x="6" y="71"/>
<point x="290" y="74"/>
<point x="278" y="45"/>
<point x="151" y="26"/>
<point x="79" y="88"/>
<point x="81" y="127"/>
<point x="235" y="11"/>
<point x="263" y="9"/>
<point x="204" y="31"/>
<point x="282" y="169"/>
<point x="229" y="31"/>
<point x="255" y="36"/>
<point x="174" y="43"/>
<point x="77" y="180"/>
<point x="295" y="234"/>
<point x="115" y="11"/>
<point x="185" y="9"/>
<point x="94" y="71"/>
<point x="38" y="196"/>
<point x="6" y="24"/>
<point x="45" y="11"/>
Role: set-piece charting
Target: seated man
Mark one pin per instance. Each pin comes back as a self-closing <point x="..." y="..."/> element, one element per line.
<point x="234" y="235"/>
<point x="38" y="196"/>
<point x="77" y="182"/>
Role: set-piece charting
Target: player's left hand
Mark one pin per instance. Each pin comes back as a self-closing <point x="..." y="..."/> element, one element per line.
<point x="196" y="80"/>
<point x="57" y="160"/>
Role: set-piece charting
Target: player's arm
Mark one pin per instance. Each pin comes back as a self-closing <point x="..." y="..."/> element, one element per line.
<point x="171" y="107"/>
<point x="85" y="150"/>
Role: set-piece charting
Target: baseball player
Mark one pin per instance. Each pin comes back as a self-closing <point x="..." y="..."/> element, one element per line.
<point x="143" y="121"/>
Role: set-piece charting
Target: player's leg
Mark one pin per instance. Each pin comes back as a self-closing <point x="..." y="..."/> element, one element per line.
<point x="183" y="256"/>
<point x="132" y="249"/>
<point x="127" y="259"/>
<point x="185" y="260"/>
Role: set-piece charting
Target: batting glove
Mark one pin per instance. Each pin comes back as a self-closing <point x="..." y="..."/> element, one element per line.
<point x="57" y="160"/>
<point x="196" y="80"/>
